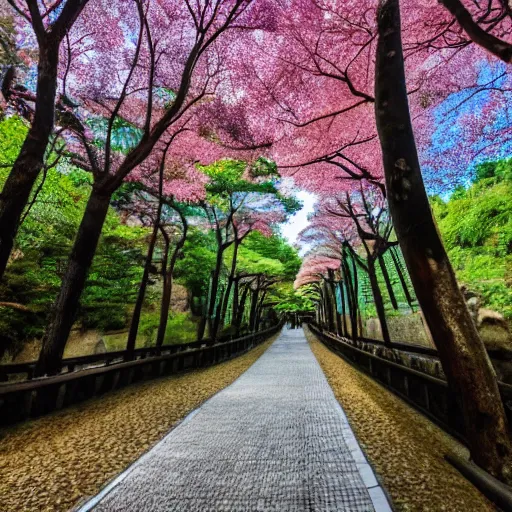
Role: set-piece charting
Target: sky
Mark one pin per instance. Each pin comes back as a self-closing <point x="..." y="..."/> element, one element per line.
<point x="299" y="221"/>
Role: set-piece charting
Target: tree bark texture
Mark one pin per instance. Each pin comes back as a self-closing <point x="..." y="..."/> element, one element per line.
<point x="30" y="161"/>
<point x="65" y="308"/>
<point x="461" y="351"/>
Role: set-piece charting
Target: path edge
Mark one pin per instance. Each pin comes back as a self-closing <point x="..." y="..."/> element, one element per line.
<point x="88" y="503"/>
<point x="379" y="496"/>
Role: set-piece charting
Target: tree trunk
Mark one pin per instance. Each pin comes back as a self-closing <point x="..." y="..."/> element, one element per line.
<point x="387" y="280"/>
<point x="235" y="301"/>
<point x="27" y="166"/>
<point x="66" y="306"/>
<point x="201" y="326"/>
<point x="329" y="307"/>
<point x="405" y="288"/>
<point x="332" y="285"/>
<point x="214" y="288"/>
<point x="167" y="286"/>
<point x="241" y="310"/>
<point x="259" y="311"/>
<point x="254" y="306"/>
<point x="462" y="353"/>
<point x="379" y="302"/>
<point x="351" y="297"/>
<point x="339" y="326"/>
<point x="216" y="316"/>
<point x="134" y="325"/>
<point x="343" y="310"/>
<point x="231" y="279"/>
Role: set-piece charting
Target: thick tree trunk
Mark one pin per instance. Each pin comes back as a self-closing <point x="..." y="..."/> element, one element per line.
<point x="66" y="306"/>
<point x="462" y="353"/>
<point x="27" y="166"/>
<point x="134" y="325"/>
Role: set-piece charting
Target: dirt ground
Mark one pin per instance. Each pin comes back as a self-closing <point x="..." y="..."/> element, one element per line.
<point x="405" y="448"/>
<point x="53" y="463"/>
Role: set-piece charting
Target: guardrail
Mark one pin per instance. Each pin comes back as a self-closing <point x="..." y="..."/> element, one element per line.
<point x="428" y="394"/>
<point x="71" y="364"/>
<point x="38" y="396"/>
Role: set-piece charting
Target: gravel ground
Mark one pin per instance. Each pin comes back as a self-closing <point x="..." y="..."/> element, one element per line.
<point x="404" y="447"/>
<point x="54" y="462"/>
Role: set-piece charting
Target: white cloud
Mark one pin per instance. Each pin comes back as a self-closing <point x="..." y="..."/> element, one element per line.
<point x="299" y="221"/>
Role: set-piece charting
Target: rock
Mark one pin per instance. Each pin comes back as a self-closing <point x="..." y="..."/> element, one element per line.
<point x="373" y="330"/>
<point x="100" y="347"/>
<point x="179" y="299"/>
<point x="473" y="306"/>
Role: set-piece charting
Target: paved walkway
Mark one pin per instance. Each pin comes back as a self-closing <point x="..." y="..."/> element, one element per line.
<point x="275" y="440"/>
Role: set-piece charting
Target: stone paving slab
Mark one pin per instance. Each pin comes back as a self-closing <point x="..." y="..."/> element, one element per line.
<point x="274" y="440"/>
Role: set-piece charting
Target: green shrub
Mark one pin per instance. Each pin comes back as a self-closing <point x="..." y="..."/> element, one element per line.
<point x="181" y="328"/>
<point x="107" y="317"/>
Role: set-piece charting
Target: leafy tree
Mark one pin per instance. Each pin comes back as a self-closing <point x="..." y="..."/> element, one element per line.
<point x="476" y="226"/>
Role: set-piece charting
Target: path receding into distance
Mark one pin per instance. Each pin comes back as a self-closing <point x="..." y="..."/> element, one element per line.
<point x="274" y="440"/>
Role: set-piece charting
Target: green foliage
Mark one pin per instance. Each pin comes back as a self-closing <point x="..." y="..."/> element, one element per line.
<point x="288" y="300"/>
<point x="13" y="131"/>
<point x="180" y="328"/>
<point x="476" y="226"/>
<point x="105" y="317"/>
<point x="199" y="253"/>
<point x="252" y="262"/>
<point x="7" y="42"/>
<point x="500" y="170"/>
<point x="275" y="247"/>
<point x="125" y="136"/>
<point x="228" y="177"/>
<point x="45" y="237"/>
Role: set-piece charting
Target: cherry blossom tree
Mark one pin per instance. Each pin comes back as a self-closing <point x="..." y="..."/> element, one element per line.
<point x="241" y="199"/>
<point x="51" y="23"/>
<point x="155" y="204"/>
<point x="485" y="23"/>
<point x="135" y="76"/>
<point x="465" y="361"/>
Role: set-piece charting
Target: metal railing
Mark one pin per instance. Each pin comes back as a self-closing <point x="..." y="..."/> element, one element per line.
<point x="35" y="397"/>
<point x="71" y="364"/>
<point x="430" y="395"/>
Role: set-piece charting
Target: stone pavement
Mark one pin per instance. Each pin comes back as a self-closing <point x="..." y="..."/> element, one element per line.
<point x="274" y="440"/>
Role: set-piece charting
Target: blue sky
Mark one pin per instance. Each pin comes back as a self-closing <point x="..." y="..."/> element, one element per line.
<point x="299" y="221"/>
<point x="452" y="146"/>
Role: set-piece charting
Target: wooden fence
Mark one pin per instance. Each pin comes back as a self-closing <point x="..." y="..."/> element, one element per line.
<point x="428" y="394"/>
<point x="105" y="372"/>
